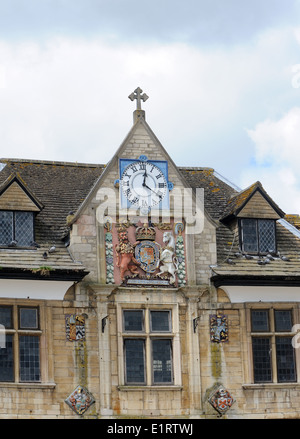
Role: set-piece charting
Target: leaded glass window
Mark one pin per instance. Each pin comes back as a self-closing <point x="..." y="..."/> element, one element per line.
<point x="6" y="317"/>
<point x="258" y="235"/>
<point x="24" y="228"/>
<point x="29" y="358"/>
<point x="148" y="355"/>
<point x="283" y="320"/>
<point x="16" y="226"/>
<point x="6" y="227"/>
<point x="266" y="236"/>
<point x="160" y="321"/>
<point x="162" y="361"/>
<point x="285" y="360"/>
<point x="133" y="320"/>
<point x="272" y="349"/>
<point x="260" y="320"/>
<point x="28" y="318"/>
<point x="20" y="347"/>
<point x="262" y="359"/>
<point x="7" y="359"/>
<point x="135" y="361"/>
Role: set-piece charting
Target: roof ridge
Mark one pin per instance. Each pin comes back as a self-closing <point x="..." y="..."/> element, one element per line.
<point x="93" y="165"/>
<point x="197" y="168"/>
<point x="52" y="162"/>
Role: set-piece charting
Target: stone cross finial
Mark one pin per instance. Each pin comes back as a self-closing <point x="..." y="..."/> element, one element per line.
<point x="137" y="94"/>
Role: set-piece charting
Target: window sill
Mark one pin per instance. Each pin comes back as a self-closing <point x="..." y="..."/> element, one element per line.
<point x="139" y="388"/>
<point x="27" y="385"/>
<point x="17" y="247"/>
<point x="274" y="386"/>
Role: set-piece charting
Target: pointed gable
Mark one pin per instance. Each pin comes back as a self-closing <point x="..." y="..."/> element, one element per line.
<point x="140" y="141"/>
<point x="15" y="195"/>
<point x="253" y="202"/>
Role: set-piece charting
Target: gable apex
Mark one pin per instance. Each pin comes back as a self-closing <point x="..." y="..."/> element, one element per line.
<point x="15" y="195"/>
<point x="140" y="140"/>
<point x="252" y="202"/>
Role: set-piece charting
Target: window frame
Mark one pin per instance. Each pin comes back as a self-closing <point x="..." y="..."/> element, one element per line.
<point x="148" y="336"/>
<point x="273" y="335"/>
<point x="45" y="344"/>
<point x="14" y="227"/>
<point x="241" y="236"/>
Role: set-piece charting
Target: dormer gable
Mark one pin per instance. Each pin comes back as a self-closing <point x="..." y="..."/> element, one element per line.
<point x="253" y="202"/>
<point x="253" y="213"/>
<point x="18" y="207"/>
<point x="16" y="196"/>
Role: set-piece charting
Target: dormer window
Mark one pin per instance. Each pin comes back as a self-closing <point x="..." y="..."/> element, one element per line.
<point x="257" y="235"/>
<point x="16" y="228"/>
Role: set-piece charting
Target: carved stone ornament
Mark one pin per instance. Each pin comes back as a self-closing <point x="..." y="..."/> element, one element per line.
<point x="109" y="258"/>
<point x="147" y="254"/>
<point x="159" y="263"/>
<point x="221" y="400"/>
<point x="80" y="400"/>
<point x="75" y="327"/>
<point x="125" y="254"/>
<point x="218" y="328"/>
<point x="180" y="254"/>
<point x="168" y="261"/>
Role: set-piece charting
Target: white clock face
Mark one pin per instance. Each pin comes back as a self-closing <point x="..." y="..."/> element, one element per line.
<point x="143" y="184"/>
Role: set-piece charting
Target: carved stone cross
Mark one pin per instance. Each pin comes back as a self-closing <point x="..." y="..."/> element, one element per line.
<point x="137" y="94"/>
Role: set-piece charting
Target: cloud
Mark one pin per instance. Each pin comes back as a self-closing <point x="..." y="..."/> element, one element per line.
<point x="277" y="159"/>
<point x="277" y="141"/>
<point x="66" y="98"/>
<point x="199" y="22"/>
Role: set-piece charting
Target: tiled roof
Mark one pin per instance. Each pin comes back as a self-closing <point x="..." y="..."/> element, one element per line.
<point x="238" y="200"/>
<point x="217" y="193"/>
<point x="232" y="262"/>
<point x="294" y="220"/>
<point x="62" y="187"/>
<point x="223" y="200"/>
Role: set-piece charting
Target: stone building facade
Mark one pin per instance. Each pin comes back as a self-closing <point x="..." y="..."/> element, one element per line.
<point x="144" y="313"/>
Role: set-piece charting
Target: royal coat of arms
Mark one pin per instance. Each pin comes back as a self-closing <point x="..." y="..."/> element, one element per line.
<point x="75" y="327"/>
<point x="147" y="253"/>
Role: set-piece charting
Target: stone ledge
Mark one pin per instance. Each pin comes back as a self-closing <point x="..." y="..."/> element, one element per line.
<point x="274" y="386"/>
<point x="20" y="386"/>
<point x="141" y="388"/>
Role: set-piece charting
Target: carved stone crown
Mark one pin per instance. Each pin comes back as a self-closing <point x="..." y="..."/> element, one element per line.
<point x="145" y="232"/>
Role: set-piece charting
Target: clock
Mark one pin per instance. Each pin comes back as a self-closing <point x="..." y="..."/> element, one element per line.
<point x="144" y="184"/>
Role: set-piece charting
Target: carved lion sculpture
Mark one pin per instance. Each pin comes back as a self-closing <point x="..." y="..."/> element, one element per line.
<point x="125" y="255"/>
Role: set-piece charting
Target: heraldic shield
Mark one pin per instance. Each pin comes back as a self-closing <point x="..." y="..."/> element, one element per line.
<point x="80" y="400"/>
<point x="221" y="400"/>
<point x="147" y="253"/>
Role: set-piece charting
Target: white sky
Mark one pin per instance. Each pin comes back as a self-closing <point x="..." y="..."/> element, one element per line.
<point x="222" y="76"/>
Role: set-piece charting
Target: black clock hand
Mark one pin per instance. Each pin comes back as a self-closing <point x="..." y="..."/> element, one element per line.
<point x="145" y="176"/>
<point x="152" y="190"/>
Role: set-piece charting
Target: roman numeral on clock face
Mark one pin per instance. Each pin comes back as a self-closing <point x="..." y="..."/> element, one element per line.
<point x="144" y="184"/>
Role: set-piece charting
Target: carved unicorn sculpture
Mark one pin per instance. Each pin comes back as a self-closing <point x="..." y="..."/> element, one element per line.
<point x="168" y="260"/>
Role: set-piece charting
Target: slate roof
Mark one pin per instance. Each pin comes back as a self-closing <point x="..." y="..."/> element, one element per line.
<point x="62" y="188"/>
<point x="217" y="193"/>
<point x="224" y="201"/>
